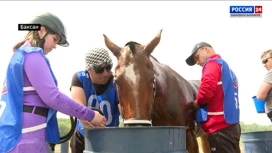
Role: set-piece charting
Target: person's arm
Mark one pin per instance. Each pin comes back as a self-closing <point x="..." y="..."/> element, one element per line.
<point x="77" y="91"/>
<point x="41" y="79"/>
<point x="210" y="77"/>
<point x="120" y="109"/>
<point x="265" y="86"/>
<point x="263" y="91"/>
<point x="79" y="96"/>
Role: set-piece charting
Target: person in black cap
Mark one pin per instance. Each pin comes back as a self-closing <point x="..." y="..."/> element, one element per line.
<point x="95" y="88"/>
<point x="217" y="102"/>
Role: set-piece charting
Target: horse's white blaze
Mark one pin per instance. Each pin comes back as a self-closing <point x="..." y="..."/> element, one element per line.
<point x="130" y="74"/>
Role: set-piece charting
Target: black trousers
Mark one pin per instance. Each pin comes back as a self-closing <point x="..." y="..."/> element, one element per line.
<point x="77" y="143"/>
<point x="225" y="140"/>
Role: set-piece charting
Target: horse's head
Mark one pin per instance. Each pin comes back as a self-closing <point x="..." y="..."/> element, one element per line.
<point x="134" y="78"/>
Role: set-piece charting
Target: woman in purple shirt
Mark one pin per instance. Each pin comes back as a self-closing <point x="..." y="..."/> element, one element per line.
<point x="30" y="96"/>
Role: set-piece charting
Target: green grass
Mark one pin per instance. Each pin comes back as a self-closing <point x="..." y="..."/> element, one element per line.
<point x="121" y="124"/>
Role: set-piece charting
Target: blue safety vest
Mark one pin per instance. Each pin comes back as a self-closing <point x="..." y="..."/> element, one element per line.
<point x="106" y="102"/>
<point x="11" y="104"/>
<point x="231" y="102"/>
<point x="89" y="90"/>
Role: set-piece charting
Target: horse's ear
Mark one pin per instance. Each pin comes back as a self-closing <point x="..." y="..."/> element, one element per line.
<point x="153" y="43"/>
<point x="112" y="47"/>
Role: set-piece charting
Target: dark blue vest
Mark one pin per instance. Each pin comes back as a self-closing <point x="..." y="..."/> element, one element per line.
<point x="106" y="102"/>
<point x="89" y="90"/>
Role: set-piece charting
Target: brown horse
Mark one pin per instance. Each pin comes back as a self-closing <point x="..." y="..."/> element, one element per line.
<point x="152" y="93"/>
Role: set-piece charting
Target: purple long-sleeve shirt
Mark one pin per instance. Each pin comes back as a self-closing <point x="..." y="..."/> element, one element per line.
<point x="46" y="94"/>
<point x="37" y="75"/>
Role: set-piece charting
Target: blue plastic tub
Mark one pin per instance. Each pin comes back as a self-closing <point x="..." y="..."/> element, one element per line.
<point x="160" y="139"/>
<point x="257" y="142"/>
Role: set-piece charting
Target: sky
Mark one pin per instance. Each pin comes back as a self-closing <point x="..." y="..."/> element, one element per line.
<point x="239" y="41"/>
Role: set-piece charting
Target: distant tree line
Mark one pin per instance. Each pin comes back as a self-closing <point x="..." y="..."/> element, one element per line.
<point x="255" y="127"/>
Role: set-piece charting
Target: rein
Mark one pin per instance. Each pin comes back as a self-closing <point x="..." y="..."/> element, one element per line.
<point x="141" y="121"/>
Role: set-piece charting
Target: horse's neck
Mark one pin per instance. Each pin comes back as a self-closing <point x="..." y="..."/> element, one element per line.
<point x="155" y="59"/>
<point x="164" y="71"/>
<point x="174" y="95"/>
<point x="157" y="67"/>
<point x="195" y="85"/>
<point x="167" y="78"/>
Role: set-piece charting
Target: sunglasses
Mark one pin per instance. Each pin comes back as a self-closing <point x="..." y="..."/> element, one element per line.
<point x="265" y="60"/>
<point x="196" y="56"/>
<point x="100" y="69"/>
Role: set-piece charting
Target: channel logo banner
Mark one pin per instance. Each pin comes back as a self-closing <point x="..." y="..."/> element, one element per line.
<point x="246" y="11"/>
<point x="241" y="9"/>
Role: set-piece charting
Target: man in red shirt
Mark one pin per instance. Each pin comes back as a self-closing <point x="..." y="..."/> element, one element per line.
<point x="218" y="97"/>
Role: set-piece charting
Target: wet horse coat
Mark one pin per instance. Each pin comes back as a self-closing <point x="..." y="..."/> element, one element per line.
<point x="151" y="92"/>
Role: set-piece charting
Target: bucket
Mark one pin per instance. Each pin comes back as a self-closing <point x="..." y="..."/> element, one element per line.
<point x="155" y="139"/>
<point x="259" y="104"/>
<point x="257" y="142"/>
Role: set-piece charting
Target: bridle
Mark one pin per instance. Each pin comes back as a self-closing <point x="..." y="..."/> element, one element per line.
<point x="140" y="121"/>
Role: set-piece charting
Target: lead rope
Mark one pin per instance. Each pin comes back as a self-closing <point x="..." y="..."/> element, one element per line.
<point x="67" y="136"/>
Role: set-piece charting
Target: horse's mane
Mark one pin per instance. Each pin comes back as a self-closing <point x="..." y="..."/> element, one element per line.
<point x="155" y="59"/>
<point x="132" y="44"/>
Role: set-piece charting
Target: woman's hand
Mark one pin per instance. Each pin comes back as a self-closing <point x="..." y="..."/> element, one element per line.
<point x="86" y="124"/>
<point x="98" y="120"/>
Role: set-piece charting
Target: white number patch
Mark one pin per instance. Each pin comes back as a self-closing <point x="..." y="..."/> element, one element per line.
<point x="236" y="100"/>
<point x="92" y="101"/>
<point x="2" y="107"/>
<point x="107" y="104"/>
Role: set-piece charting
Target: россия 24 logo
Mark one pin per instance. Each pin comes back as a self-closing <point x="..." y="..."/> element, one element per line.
<point x="246" y="11"/>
